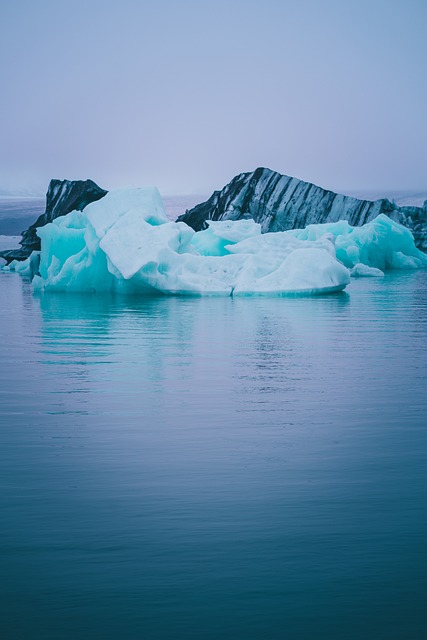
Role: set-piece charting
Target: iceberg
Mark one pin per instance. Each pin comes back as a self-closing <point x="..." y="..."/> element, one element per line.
<point x="124" y="242"/>
<point x="280" y="203"/>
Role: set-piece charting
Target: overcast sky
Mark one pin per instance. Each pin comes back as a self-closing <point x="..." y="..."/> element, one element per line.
<point x="186" y="94"/>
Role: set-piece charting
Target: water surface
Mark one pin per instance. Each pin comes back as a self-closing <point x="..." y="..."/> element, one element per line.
<point x="214" y="468"/>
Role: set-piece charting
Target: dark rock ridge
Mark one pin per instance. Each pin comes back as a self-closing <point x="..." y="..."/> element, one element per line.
<point x="279" y="203"/>
<point x="62" y="197"/>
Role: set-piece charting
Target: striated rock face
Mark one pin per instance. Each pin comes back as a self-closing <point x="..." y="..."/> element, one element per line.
<point x="62" y="197"/>
<point x="279" y="203"/>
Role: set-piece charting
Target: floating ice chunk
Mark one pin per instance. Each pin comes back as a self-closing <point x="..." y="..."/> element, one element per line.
<point x="124" y="242"/>
<point x="26" y="267"/>
<point x="362" y="271"/>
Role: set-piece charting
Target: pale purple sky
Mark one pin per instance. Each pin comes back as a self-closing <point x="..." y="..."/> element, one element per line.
<point x="186" y="94"/>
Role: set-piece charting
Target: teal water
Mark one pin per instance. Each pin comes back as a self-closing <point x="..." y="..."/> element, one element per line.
<point x="176" y="468"/>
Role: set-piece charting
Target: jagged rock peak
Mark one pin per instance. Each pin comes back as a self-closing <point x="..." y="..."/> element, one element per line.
<point x="62" y="197"/>
<point x="279" y="202"/>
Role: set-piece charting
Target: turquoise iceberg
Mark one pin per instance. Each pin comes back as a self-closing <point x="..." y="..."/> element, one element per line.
<point x="125" y="243"/>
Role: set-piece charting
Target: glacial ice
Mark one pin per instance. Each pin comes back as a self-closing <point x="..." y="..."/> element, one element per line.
<point x="363" y="271"/>
<point x="381" y="244"/>
<point x="26" y="267"/>
<point x="125" y="242"/>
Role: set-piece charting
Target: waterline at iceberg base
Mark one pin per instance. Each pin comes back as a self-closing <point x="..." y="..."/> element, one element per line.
<point x="124" y="242"/>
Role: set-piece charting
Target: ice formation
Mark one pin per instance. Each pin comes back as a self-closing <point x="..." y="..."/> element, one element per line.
<point x="125" y="242"/>
<point x="279" y="203"/>
<point x="363" y="271"/>
<point x="381" y="243"/>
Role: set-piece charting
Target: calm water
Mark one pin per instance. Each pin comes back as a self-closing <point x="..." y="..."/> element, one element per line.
<point x="214" y="468"/>
<point x="16" y="214"/>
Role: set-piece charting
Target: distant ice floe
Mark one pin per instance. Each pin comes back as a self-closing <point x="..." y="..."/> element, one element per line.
<point x="126" y="243"/>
